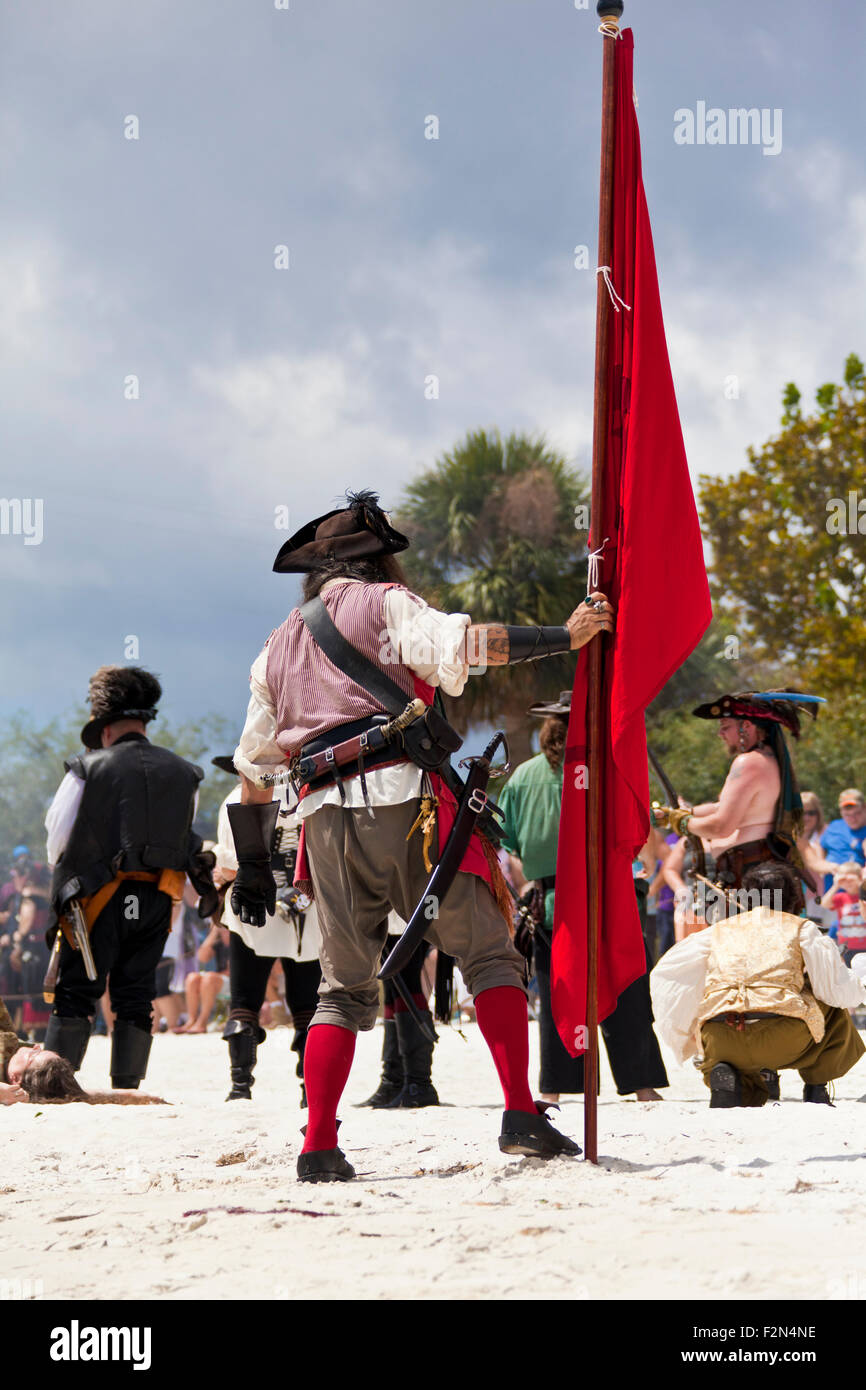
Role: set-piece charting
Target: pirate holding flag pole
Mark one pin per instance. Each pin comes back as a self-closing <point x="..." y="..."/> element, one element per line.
<point x="346" y="665"/>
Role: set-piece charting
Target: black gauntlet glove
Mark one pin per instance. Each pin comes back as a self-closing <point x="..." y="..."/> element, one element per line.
<point x="199" y="869"/>
<point x="254" y="891"/>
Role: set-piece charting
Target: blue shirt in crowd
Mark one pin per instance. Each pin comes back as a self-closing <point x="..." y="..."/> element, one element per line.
<point x="842" y="845"/>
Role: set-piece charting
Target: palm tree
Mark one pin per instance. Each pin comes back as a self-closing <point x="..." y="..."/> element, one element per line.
<point x="494" y="534"/>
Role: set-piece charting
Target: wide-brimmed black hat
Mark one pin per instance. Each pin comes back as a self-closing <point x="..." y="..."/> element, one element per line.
<point x="354" y="532"/>
<point x="560" y="706"/>
<point x="779" y="706"/>
<point x="119" y="692"/>
<point x="226" y="764"/>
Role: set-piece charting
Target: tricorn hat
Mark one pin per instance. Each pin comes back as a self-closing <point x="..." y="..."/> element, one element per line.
<point x="560" y="706"/>
<point x="225" y="765"/>
<point x="354" y="532"/>
<point x="119" y="692"/>
<point x="779" y="706"/>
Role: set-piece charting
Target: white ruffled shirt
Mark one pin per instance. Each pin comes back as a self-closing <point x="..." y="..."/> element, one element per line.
<point x="677" y="983"/>
<point x="422" y="638"/>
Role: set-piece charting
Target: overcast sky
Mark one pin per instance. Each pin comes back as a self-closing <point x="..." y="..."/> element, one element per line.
<point x="260" y="387"/>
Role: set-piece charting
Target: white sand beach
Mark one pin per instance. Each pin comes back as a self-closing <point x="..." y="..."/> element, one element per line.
<point x="198" y="1199"/>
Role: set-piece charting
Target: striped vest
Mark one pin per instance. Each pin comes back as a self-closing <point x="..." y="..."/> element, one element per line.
<point x="311" y="695"/>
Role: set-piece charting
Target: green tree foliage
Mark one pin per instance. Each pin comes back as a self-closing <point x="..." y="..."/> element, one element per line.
<point x="494" y="534"/>
<point x="787" y="539"/>
<point x="32" y="758"/>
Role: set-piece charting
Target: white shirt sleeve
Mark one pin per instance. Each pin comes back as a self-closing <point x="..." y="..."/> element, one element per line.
<point x="831" y="980"/>
<point x="258" y="751"/>
<point x="426" y="640"/>
<point x="677" y="988"/>
<point x="60" y="816"/>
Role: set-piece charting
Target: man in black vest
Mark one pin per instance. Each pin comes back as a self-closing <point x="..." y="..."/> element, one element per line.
<point x="121" y="842"/>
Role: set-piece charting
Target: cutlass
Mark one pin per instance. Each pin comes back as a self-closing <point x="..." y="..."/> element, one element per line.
<point x="472" y="803"/>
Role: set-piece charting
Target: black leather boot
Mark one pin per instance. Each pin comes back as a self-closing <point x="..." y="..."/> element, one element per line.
<point x="534" y="1135"/>
<point x="817" y="1095"/>
<point x="68" y="1037"/>
<point x="416" y="1054"/>
<point x="726" y="1092"/>
<point x="130" y="1049"/>
<point x="391" y="1083"/>
<point x="772" y="1080"/>
<point x="243" y="1040"/>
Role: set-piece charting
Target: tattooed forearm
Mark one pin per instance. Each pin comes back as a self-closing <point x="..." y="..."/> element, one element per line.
<point x="487" y="644"/>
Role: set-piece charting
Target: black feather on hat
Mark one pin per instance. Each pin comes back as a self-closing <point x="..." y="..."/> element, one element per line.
<point x="119" y="692"/>
<point x="355" y="532"/>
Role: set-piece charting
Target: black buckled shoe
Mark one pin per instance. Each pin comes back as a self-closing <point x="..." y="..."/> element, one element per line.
<point x="324" y="1165"/>
<point x="726" y="1092"/>
<point x="772" y="1080"/>
<point x="817" y="1095"/>
<point x="534" y="1135"/>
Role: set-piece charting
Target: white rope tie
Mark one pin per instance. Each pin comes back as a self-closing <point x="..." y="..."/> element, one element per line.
<point x="610" y="29"/>
<point x="593" y="570"/>
<point x="614" y="297"/>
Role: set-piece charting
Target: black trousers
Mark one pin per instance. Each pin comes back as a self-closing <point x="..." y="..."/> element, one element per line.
<point x="248" y="975"/>
<point x="632" y="1047"/>
<point x="127" y="942"/>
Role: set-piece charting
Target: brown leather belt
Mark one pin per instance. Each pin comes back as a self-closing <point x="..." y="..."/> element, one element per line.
<point x="736" y="860"/>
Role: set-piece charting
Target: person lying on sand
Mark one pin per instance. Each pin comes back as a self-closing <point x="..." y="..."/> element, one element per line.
<point x="29" y="1073"/>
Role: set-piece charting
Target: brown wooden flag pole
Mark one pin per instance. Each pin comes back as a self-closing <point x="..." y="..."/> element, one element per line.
<point x="609" y="12"/>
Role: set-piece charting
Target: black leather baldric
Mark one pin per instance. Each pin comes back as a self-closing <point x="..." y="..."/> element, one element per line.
<point x="350" y="661"/>
<point x="428" y="741"/>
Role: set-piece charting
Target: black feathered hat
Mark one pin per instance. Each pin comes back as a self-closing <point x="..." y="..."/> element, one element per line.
<point x="119" y="692"/>
<point x="354" y="532"/>
<point x="778" y="706"/>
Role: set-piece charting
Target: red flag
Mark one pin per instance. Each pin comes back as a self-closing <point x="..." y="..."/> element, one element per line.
<point x="653" y="570"/>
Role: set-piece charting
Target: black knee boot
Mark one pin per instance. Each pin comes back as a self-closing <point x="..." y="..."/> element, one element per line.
<point x="130" y="1049"/>
<point x="416" y="1055"/>
<point x="299" y="1045"/>
<point x="243" y="1040"/>
<point x="68" y="1037"/>
<point x="391" y="1083"/>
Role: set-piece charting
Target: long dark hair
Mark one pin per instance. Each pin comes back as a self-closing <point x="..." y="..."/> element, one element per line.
<point x="377" y="569"/>
<point x="50" y="1080"/>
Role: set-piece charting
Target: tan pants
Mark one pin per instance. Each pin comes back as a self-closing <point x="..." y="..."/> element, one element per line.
<point x="779" y="1043"/>
<point x="361" y="867"/>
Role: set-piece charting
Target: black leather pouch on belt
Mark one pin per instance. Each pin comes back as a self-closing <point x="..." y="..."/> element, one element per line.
<point x="430" y="741"/>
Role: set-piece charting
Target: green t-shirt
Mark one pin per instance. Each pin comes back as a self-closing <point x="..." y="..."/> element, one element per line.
<point x="532" y="802"/>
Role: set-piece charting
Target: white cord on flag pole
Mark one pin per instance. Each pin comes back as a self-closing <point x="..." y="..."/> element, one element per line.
<point x="605" y="271"/>
<point x="610" y="29"/>
<point x="593" y="575"/>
